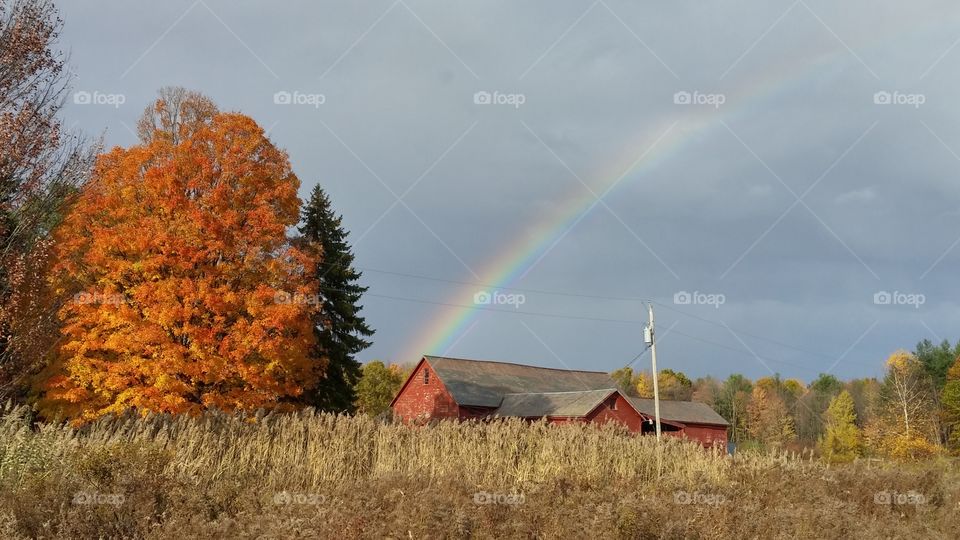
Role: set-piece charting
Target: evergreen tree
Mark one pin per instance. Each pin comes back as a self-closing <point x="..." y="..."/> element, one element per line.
<point x="937" y="359"/>
<point x="950" y="400"/>
<point x="841" y="441"/>
<point x="339" y="328"/>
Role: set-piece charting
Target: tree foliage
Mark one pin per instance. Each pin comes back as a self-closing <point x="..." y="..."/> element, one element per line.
<point x="340" y="330"/>
<point x="906" y="424"/>
<point x="378" y="385"/>
<point x="176" y="254"/>
<point x="40" y="166"/>
<point x="768" y="419"/>
<point x="673" y="385"/>
<point x="950" y="401"/>
<point x="842" y="439"/>
<point x="732" y="404"/>
<point x="937" y="359"/>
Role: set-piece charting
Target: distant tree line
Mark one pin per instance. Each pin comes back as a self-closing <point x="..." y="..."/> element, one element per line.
<point x="912" y="412"/>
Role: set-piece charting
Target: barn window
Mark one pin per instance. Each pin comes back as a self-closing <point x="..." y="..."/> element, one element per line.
<point x="426" y="376"/>
<point x="612" y="405"/>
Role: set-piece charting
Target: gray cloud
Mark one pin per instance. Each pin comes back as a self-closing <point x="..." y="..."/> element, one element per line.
<point x="799" y="81"/>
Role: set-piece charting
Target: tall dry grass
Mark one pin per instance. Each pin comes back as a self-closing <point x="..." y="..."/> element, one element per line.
<point x="307" y="449"/>
<point x="354" y="477"/>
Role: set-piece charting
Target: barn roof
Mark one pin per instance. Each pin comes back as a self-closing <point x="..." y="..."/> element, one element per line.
<point x="686" y="412"/>
<point x="482" y="383"/>
<point x="537" y="405"/>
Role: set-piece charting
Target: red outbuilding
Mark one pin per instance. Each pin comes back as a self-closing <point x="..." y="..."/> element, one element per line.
<point x="442" y="387"/>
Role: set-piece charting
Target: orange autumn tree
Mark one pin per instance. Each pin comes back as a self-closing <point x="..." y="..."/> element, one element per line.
<point x="181" y="273"/>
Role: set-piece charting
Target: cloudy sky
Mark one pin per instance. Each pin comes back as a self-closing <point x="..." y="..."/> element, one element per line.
<point x="778" y="177"/>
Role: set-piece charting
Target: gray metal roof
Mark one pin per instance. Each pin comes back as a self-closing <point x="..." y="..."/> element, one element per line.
<point x="685" y="412"/>
<point x="483" y="384"/>
<point x="569" y="404"/>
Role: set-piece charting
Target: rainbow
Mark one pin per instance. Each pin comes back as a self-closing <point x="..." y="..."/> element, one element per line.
<point x="642" y="155"/>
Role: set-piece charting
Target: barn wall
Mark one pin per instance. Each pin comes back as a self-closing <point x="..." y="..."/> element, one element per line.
<point x="706" y="434"/>
<point x="418" y="401"/>
<point x="624" y="413"/>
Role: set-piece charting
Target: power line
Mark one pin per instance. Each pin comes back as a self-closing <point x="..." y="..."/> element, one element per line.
<point x="742" y="332"/>
<point x="515" y="311"/>
<point x="599" y="297"/>
<point x="498" y="287"/>
<point x="599" y="319"/>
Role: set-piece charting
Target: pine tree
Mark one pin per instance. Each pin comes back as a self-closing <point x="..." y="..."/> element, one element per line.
<point x="950" y="400"/>
<point x="338" y="326"/>
<point x="841" y="441"/>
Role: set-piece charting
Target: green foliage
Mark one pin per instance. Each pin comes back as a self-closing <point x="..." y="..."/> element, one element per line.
<point x="937" y="359"/>
<point x="378" y="386"/>
<point x="826" y="385"/>
<point x="339" y="328"/>
<point x="731" y="403"/>
<point x="950" y="401"/>
<point x="811" y="406"/>
<point x="842" y="440"/>
<point x="625" y="380"/>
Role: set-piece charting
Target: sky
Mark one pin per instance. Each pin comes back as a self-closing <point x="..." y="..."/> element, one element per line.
<point x="520" y="179"/>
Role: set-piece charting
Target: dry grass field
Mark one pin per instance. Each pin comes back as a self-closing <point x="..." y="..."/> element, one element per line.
<point x="320" y="476"/>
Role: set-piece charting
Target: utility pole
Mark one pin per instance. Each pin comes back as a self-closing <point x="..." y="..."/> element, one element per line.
<point x="650" y="338"/>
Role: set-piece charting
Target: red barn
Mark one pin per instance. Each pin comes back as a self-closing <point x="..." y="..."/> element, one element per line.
<point x="457" y="388"/>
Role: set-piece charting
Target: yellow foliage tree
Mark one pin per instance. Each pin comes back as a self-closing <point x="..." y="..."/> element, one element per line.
<point x="768" y="420"/>
<point x="906" y="424"/>
<point x="842" y="440"/>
